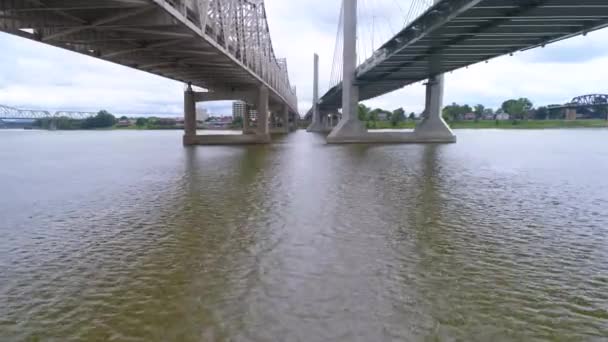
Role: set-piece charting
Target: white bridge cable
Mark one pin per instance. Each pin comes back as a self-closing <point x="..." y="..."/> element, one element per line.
<point x="417" y="8"/>
<point x="377" y="22"/>
<point x="336" y="68"/>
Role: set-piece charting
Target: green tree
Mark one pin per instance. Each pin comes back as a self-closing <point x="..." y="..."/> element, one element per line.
<point x="488" y="112"/>
<point x="141" y="122"/>
<point x="455" y="112"/>
<point x="122" y="118"/>
<point x="237" y="122"/>
<point x="412" y="116"/>
<point x="478" y="110"/>
<point x="61" y="123"/>
<point x="397" y="116"/>
<point x="541" y="113"/>
<point x="373" y="117"/>
<point x="363" y="112"/>
<point x="389" y="115"/>
<point x="518" y="109"/>
<point x="103" y="119"/>
<point x="555" y="112"/>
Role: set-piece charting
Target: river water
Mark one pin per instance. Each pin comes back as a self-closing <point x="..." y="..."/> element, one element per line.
<point x="128" y="236"/>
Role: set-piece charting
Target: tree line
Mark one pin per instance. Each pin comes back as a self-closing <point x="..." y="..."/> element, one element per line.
<point x="518" y="109"/>
<point x="103" y="119"/>
<point x="372" y="116"/>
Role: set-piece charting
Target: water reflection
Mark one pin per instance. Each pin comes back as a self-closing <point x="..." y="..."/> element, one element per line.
<point x="302" y="241"/>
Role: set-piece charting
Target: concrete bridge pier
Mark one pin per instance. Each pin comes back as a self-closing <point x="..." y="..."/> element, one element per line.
<point x="261" y="133"/>
<point x="263" y="129"/>
<point x="247" y="128"/>
<point x="571" y="114"/>
<point x="351" y="130"/>
<point x="281" y="120"/>
<point x="285" y="119"/>
<point x="317" y="123"/>
<point x="189" y="115"/>
<point x="294" y="124"/>
<point x="433" y="128"/>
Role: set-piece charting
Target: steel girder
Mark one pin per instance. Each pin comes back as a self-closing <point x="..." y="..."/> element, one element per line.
<point x="214" y="44"/>
<point x="453" y="34"/>
<point x="590" y="100"/>
<point x="7" y="112"/>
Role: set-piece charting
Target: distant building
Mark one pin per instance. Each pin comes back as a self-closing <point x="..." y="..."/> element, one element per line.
<point x="503" y="116"/>
<point x="383" y="116"/>
<point x="253" y="115"/>
<point x="239" y="109"/>
<point x="470" y="116"/>
<point x="201" y="114"/>
<point x="124" y="123"/>
<point x="222" y="122"/>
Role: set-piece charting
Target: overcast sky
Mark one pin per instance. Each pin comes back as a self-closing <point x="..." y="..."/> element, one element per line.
<point x="37" y="76"/>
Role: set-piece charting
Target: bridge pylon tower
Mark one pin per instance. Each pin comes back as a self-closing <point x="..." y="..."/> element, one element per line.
<point x="432" y="128"/>
<point x="317" y="120"/>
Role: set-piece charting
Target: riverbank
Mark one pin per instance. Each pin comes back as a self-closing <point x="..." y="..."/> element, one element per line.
<point x="485" y="124"/>
<point x="490" y="124"/>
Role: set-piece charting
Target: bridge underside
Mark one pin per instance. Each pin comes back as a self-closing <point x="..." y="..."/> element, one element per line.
<point x="149" y="35"/>
<point x="457" y="33"/>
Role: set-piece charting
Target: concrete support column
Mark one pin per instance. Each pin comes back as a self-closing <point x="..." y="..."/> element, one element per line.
<point x="262" y="105"/>
<point x="189" y="116"/>
<point x="570" y="113"/>
<point x="246" y="121"/>
<point x="315" y="90"/>
<point x="285" y="118"/>
<point x="316" y="124"/>
<point x="349" y="125"/>
<point x="432" y="126"/>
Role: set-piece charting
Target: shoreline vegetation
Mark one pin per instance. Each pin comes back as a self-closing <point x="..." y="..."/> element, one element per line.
<point x="383" y="125"/>
<point x="512" y="114"/>
<point x="391" y="120"/>
<point x="493" y="124"/>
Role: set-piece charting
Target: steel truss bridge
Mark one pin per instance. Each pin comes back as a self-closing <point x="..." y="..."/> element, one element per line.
<point x="453" y="34"/>
<point x="219" y="45"/>
<point x="10" y="113"/>
<point x="592" y="100"/>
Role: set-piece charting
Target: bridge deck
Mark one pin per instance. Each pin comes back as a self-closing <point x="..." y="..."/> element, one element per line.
<point x="456" y="33"/>
<point x="170" y="38"/>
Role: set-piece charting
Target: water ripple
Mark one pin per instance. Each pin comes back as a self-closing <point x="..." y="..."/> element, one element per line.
<point x="299" y="241"/>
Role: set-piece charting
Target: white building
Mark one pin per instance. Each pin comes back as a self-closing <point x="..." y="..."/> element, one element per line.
<point x="503" y="116"/>
<point x="201" y="114"/>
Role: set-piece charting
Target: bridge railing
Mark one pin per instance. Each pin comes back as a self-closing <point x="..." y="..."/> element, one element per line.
<point x="240" y="27"/>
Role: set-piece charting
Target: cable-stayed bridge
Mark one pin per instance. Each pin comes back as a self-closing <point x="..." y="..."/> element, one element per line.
<point x="447" y="35"/>
<point x="223" y="46"/>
